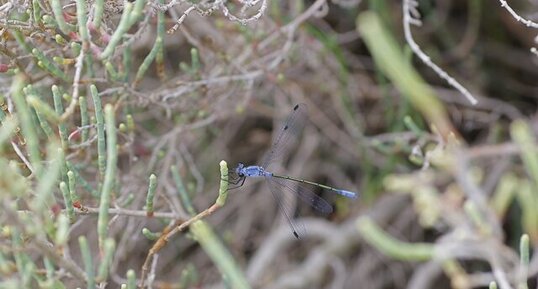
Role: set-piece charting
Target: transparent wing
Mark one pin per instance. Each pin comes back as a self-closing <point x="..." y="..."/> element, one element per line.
<point x="287" y="135"/>
<point x="305" y="194"/>
<point x="276" y="190"/>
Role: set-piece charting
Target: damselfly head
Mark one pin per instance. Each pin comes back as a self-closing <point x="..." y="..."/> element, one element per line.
<point x="239" y="168"/>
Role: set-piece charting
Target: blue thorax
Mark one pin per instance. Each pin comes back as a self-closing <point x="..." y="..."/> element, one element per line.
<point x="251" y="171"/>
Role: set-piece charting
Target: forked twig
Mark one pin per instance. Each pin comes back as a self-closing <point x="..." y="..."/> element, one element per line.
<point x="179" y="226"/>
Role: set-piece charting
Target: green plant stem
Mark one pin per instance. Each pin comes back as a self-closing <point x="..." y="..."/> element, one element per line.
<point x="104" y="267"/>
<point x="68" y="201"/>
<point x="529" y="202"/>
<point x="110" y="175"/>
<point x="42" y="110"/>
<point x="123" y="27"/>
<point x="223" y="188"/>
<point x="84" y="119"/>
<point x="504" y="194"/>
<point x="151" y="195"/>
<point x="219" y="254"/>
<point x="27" y="125"/>
<point x="62" y="230"/>
<point x="72" y="182"/>
<point x="150" y="235"/>
<point x="183" y="194"/>
<point x="523" y="136"/>
<point x="36" y="9"/>
<point x="82" y="22"/>
<point x="88" y="262"/>
<point x="58" y="14"/>
<point x="127" y="63"/>
<point x="99" y="9"/>
<point x="100" y="120"/>
<point x="130" y="124"/>
<point x="131" y="279"/>
<point x="524" y="261"/>
<point x="157" y="48"/>
<point x="391" y="247"/>
<point x="59" y="109"/>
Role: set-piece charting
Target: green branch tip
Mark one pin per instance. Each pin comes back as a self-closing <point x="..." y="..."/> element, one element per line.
<point x="150" y="235"/>
<point x="151" y="194"/>
<point x="71" y="178"/>
<point x="223" y="189"/>
<point x="195" y="60"/>
<point x="130" y="123"/>
<point x="122" y="127"/>
<point x="60" y="40"/>
<point x="524" y="249"/>
<point x="524" y="262"/>
<point x="68" y="201"/>
<point x="131" y="279"/>
<point x="189" y="276"/>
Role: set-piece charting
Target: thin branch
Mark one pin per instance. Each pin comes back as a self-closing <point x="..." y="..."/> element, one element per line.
<point x="516" y="16"/>
<point x="409" y="11"/>
<point x="179" y="226"/>
<point x="168" y="234"/>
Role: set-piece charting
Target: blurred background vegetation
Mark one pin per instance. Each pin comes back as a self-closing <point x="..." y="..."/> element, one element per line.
<point x="115" y="117"/>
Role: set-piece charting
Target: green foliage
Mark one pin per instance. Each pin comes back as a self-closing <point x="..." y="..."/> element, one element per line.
<point x="97" y="96"/>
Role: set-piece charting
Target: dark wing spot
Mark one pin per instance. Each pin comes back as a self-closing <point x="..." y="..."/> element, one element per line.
<point x="296" y="107"/>
<point x="295" y="234"/>
<point x="285" y="127"/>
